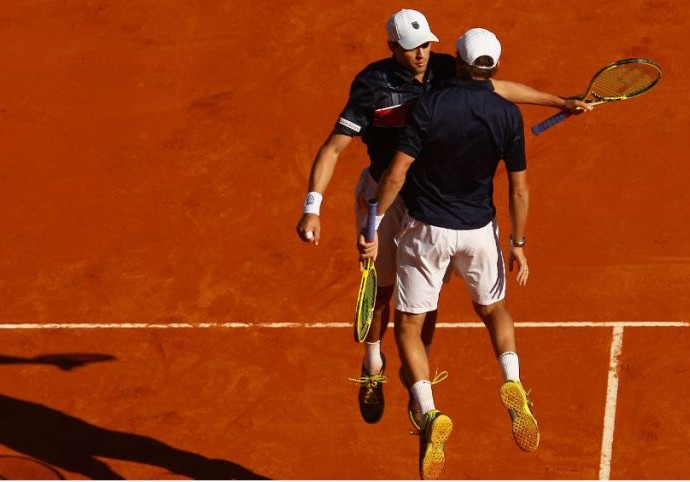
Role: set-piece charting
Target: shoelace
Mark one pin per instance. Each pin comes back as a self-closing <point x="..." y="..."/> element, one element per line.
<point x="439" y="377"/>
<point x="369" y="379"/>
<point x="529" y="402"/>
<point x="370" y="382"/>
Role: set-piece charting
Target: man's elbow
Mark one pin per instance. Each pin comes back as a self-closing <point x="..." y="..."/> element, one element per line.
<point x="520" y="194"/>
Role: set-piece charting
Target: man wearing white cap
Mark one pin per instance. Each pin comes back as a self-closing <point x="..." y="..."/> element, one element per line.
<point x="447" y="159"/>
<point x="380" y="100"/>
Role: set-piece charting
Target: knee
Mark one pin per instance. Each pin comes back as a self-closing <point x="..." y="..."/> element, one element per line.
<point x="490" y="312"/>
<point x="408" y="324"/>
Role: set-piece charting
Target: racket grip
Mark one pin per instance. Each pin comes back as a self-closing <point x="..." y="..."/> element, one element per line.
<point x="550" y="122"/>
<point x="372" y="205"/>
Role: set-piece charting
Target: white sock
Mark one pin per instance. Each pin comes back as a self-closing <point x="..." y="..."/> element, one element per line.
<point x="510" y="365"/>
<point x="423" y="396"/>
<point x="373" y="363"/>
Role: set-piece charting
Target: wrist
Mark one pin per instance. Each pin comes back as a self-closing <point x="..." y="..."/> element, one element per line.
<point x="517" y="243"/>
<point x="312" y="204"/>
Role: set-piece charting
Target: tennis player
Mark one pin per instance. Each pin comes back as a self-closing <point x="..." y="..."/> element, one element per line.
<point x="380" y="100"/>
<point x="447" y="160"/>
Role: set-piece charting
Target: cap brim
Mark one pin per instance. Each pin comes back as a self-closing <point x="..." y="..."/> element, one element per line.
<point x="414" y="42"/>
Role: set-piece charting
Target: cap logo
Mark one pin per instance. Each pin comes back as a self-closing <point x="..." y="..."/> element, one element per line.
<point x="415" y="25"/>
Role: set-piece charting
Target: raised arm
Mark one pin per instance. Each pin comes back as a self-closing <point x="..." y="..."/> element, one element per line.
<point x="524" y="94"/>
<point x="321" y="174"/>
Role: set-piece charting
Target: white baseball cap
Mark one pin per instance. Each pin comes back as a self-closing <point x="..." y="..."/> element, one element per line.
<point x="477" y="42"/>
<point x="410" y="29"/>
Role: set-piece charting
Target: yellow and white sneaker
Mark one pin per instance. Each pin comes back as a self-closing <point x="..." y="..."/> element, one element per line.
<point x="414" y="412"/>
<point x="525" y="428"/>
<point x="432" y="439"/>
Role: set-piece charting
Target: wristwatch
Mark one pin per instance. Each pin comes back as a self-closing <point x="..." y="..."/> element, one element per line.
<point x="517" y="244"/>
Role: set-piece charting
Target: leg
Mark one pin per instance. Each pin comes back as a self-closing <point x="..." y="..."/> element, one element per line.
<point x="408" y="335"/>
<point x="428" y="329"/>
<point x="501" y="330"/>
<point x="481" y="266"/>
<point x="382" y="313"/>
<point x="379" y="323"/>
<point x="414" y="411"/>
<point x="437" y="426"/>
<point x="372" y="378"/>
<point x="499" y="322"/>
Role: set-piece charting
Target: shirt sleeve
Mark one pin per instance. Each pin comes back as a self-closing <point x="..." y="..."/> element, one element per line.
<point x="417" y="128"/>
<point x="514" y="155"/>
<point x="356" y="116"/>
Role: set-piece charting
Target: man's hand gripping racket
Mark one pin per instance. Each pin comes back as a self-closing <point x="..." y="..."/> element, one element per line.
<point x="621" y="80"/>
<point x="366" y="297"/>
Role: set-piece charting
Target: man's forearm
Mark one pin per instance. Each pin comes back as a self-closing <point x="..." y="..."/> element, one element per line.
<point x="388" y="189"/>
<point x="524" y="94"/>
<point x="392" y="181"/>
<point x="519" y="207"/>
<point x="322" y="170"/>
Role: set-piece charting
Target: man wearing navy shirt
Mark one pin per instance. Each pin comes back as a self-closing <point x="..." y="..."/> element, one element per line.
<point x="381" y="97"/>
<point x="449" y="153"/>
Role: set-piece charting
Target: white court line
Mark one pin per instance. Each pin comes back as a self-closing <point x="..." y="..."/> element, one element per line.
<point x="161" y="326"/>
<point x="611" y="391"/>
<point x="611" y="399"/>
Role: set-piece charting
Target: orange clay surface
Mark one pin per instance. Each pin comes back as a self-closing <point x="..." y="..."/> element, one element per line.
<point x="154" y="159"/>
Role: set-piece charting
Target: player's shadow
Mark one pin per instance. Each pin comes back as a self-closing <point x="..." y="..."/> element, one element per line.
<point x="63" y="361"/>
<point x="69" y="443"/>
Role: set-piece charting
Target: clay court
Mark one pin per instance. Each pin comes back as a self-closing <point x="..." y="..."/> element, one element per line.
<point x="160" y="319"/>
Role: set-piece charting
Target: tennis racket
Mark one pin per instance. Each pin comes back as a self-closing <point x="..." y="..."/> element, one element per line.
<point x="366" y="298"/>
<point x="621" y="80"/>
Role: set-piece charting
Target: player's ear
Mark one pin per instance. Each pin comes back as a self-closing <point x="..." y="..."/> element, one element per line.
<point x="392" y="46"/>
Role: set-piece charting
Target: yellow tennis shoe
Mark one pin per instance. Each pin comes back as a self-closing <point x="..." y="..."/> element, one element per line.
<point x="414" y="412"/>
<point x="432" y="440"/>
<point x="525" y="428"/>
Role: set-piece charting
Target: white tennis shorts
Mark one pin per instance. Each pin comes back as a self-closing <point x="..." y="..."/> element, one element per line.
<point x="386" y="265"/>
<point x="425" y="253"/>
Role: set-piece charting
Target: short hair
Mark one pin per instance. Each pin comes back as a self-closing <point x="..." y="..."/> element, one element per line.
<point x="481" y="68"/>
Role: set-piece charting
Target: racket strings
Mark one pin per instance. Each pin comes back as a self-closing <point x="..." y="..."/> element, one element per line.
<point x="624" y="81"/>
<point x="370" y="291"/>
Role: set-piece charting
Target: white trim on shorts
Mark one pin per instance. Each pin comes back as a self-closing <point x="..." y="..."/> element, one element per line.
<point x="425" y="253"/>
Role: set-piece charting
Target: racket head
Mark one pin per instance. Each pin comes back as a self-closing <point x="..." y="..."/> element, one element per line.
<point x="622" y="80"/>
<point x="366" y="299"/>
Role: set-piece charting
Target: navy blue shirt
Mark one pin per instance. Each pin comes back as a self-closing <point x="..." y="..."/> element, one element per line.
<point x="458" y="134"/>
<point x="381" y="98"/>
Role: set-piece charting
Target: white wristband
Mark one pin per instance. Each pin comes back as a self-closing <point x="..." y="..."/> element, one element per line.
<point x="312" y="205"/>
<point x="378" y="221"/>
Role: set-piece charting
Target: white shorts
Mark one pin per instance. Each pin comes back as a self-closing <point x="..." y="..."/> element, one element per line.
<point x="425" y="254"/>
<point x="386" y="265"/>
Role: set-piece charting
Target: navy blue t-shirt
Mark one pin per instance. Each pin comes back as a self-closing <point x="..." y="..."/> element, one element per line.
<point x="380" y="101"/>
<point x="458" y="134"/>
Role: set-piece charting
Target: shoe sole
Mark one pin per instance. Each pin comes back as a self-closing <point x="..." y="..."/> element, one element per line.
<point x="525" y="428"/>
<point x="434" y="457"/>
